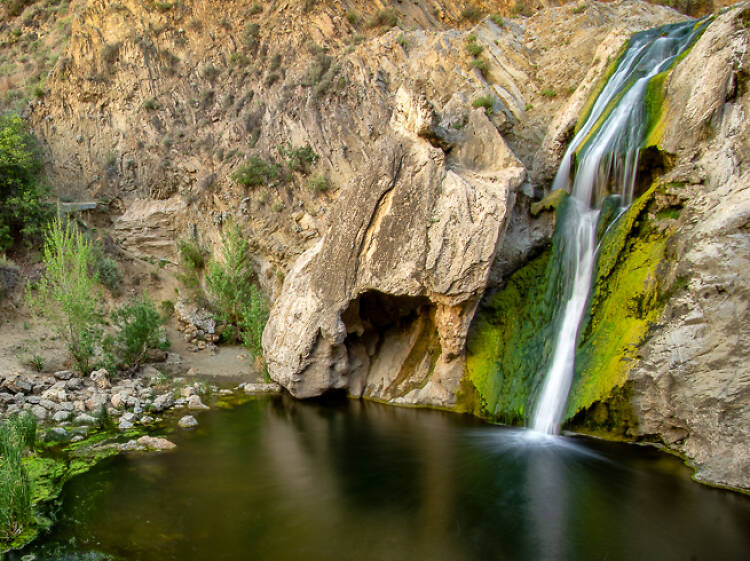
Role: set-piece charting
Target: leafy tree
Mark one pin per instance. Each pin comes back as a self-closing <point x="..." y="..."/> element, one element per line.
<point x="231" y="281"/>
<point x="66" y="294"/>
<point x="23" y="213"/>
<point x="253" y="318"/>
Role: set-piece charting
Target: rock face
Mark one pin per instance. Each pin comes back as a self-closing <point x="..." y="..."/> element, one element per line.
<point x="691" y="388"/>
<point x="381" y="305"/>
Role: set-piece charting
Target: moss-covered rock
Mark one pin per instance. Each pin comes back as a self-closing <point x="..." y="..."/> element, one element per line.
<point x="625" y="302"/>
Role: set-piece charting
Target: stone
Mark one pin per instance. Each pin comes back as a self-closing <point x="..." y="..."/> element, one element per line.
<point x="124" y="424"/>
<point x="154" y="443"/>
<point x="188" y="421"/>
<point x="84" y="419"/>
<point x="64" y="374"/>
<point x="100" y="378"/>
<point x="116" y="400"/>
<point x="74" y="384"/>
<point x="39" y="412"/>
<point x="251" y="389"/>
<point x="187" y="391"/>
<point x="56" y="434"/>
<point x="129" y="417"/>
<point x="162" y="402"/>
<point x="194" y="402"/>
<point x="47" y="404"/>
<point x="61" y="416"/>
<point x="147" y="420"/>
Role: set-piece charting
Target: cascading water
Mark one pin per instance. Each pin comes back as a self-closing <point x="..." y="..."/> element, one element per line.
<point x="606" y="150"/>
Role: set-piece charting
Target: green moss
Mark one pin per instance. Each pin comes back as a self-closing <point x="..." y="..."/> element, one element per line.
<point x="624" y="304"/>
<point x="509" y="343"/>
<point x="656" y="108"/>
<point x="550" y="202"/>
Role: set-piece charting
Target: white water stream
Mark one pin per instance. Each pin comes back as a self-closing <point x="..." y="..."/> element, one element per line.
<point x="606" y="149"/>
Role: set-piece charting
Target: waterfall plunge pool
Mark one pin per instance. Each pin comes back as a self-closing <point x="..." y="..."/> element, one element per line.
<point x="282" y="480"/>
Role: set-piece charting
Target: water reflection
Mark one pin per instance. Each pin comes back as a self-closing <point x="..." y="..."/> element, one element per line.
<point x="282" y="480"/>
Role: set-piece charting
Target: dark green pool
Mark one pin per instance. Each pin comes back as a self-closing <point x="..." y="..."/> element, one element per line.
<point x="281" y="480"/>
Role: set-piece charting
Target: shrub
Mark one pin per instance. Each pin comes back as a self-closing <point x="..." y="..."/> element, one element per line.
<point x="472" y="13"/>
<point x="498" y="20"/>
<point x="151" y="104"/>
<point x="474" y="49"/>
<point x="107" y="269"/>
<point x="549" y="92"/>
<point x="22" y="210"/>
<point x="255" y="9"/>
<point x="210" y="72"/>
<point x="485" y="101"/>
<point x="318" y="183"/>
<point x="317" y="69"/>
<point x="256" y="172"/>
<point x="250" y="36"/>
<point x="253" y="318"/>
<point x="192" y="254"/>
<point x="300" y="158"/>
<point x="387" y="17"/>
<point x="139" y="329"/>
<point x="238" y="59"/>
<point x="66" y="293"/>
<point x="231" y="281"/>
<point x="352" y="17"/>
<point x="482" y="65"/>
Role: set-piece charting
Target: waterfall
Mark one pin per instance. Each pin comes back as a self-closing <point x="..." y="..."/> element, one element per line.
<point x="606" y="149"/>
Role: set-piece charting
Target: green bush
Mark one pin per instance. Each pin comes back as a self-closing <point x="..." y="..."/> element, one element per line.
<point x="16" y="434"/>
<point x="251" y="36"/>
<point x="256" y="172"/>
<point x="549" y="92"/>
<point x="498" y="19"/>
<point x="482" y="65"/>
<point x="151" y="104"/>
<point x="139" y="329"/>
<point x="231" y="281"/>
<point x="319" y="184"/>
<point x="23" y="213"/>
<point x="473" y="49"/>
<point x="66" y="293"/>
<point x="299" y="158"/>
<point x="253" y="318"/>
<point x="192" y="254"/>
<point x="108" y="270"/>
<point x="485" y="101"/>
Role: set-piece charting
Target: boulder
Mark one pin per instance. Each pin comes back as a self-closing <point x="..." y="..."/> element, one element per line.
<point x="194" y="402"/>
<point x="154" y="443"/>
<point x="64" y="374"/>
<point x="188" y="421"/>
<point x="101" y="379"/>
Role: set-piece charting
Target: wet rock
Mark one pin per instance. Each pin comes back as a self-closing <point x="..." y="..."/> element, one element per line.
<point x="188" y="421"/>
<point x="250" y="388"/>
<point x="154" y="443"/>
<point x="194" y="402"/>
<point x="124" y="424"/>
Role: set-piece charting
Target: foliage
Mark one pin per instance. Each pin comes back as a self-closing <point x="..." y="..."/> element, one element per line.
<point x="16" y="434"/>
<point x="231" y="281"/>
<point x="472" y="13"/>
<point x="387" y="17"/>
<point x="498" y="20"/>
<point x="66" y="293"/>
<point x="192" y="254"/>
<point x="481" y="64"/>
<point x="138" y="327"/>
<point x="256" y="172"/>
<point x="300" y="158"/>
<point x="107" y="269"/>
<point x="253" y="318"/>
<point x="318" y="183"/>
<point x="549" y="92"/>
<point x="485" y="101"/>
<point x="23" y="212"/>
<point x="473" y="49"/>
<point x="151" y="104"/>
<point x="250" y="36"/>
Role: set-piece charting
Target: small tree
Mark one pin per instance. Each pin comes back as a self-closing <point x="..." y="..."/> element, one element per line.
<point x="139" y="329"/>
<point x="253" y="318"/>
<point x="231" y="282"/>
<point x="66" y="293"/>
